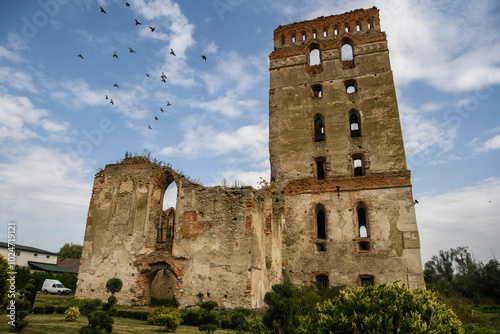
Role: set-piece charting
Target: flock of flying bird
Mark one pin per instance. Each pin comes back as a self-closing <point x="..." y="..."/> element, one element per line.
<point x="162" y="76"/>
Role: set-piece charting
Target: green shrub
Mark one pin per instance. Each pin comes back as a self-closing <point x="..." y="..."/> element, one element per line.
<point x="172" y="302"/>
<point x="114" y="285"/>
<point x="255" y="326"/>
<point x="49" y="309"/>
<point x="381" y="309"/>
<point x="226" y="323"/>
<point x="239" y="322"/>
<point x="61" y="309"/>
<point x="167" y="317"/>
<point x="209" y="305"/>
<point x="207" y="328"/>
<point x="191" y="318"/>
<point x="38" y="310"/>
<point x="71" y="314"/>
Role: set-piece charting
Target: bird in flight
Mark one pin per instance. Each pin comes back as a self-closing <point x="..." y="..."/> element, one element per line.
<point x="172" y="52"/>
<point x="168" y="104"/>
<point x="161" y="109"/>
<point x="102" y="10"/>
<point x="152" y="29"/>
<point x="132" y="50"/>
<point x="137" y="22"/>
<point x="115" y="55"/>
<point x="80" y="55"/>
<point x="149" y="126"/>
<point x="204" y="58"/>
<point x="156" y="118"/>
<point x="415" y="201"/>
<point x="127" y="4"/>
<point x="116" y="85"/>
<point x="106" y="97"/>
<point x="163" y="80"/>
<point x="111" y="101"/>
<point x="147" y="75"/>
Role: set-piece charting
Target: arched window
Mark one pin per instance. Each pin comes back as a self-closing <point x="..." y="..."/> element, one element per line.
<point x="346" y="52"/>
<point x="321" y="168"/>
<point x="336" y="31"/>
<point x="283" y="40"/>
<point x="351" y="86"/>
<point x="370" y="25"/>
<point x="314" y="57"/>
<point x="347" y="28"/>
<point x="321" y="223"/>
<point x="362" y="224"/>
<point x="357" y="160"/>
<point x="354" y="124"/>
<point x="293" y="39"/>
<point x="314" y="34"/>
<point x="319" y="128"/>
<point x="325" y="32"/>
<point x="358" y="26"/>
<point x="303" y="35"/>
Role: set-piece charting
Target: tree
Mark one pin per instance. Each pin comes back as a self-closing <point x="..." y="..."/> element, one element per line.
<point x="281" y="316"/>
<point x="382" y="309"/>
<point x="114" y="285"/>
<point x="4" y="284"/>
<point x="167" y="317"/>
<point x="491" y="280"/>
<point x="70" y="251"/>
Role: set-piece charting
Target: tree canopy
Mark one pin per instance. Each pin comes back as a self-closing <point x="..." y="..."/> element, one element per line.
<point x="70" y="251"/>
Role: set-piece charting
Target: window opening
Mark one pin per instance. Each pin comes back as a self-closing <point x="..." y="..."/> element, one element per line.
<point x="366" y="280"/>
<point x="321" y="168"/>
<point x="321" y="247"/>
<point x="369" y="25"/>
<point x="354" y="125"/>
<point x="317" y="90"/>
<point x="319" y="128"/>
<point x="336" y="31"/>
<point x="166" y="225"/>
<point x="346" y="28"/>
<point x="325" y="33"/>
<point x="321" y="224"/>
<point x="303" y="36"/>
<point x="322" y="281"/>
<point x="346" y="52"/>
<point x="314" y="57"/>
<point x="314" y="34"/>
<point x="358" y="165"/>
<point x="362" y="227"/>
<point x="283" y="40"/>
<point x="350" y="86"/>
<point x="358" y="27"/>
<point x="293" y="38"/>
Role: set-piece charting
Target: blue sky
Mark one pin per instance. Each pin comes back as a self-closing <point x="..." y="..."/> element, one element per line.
<point x="57" y="129"/>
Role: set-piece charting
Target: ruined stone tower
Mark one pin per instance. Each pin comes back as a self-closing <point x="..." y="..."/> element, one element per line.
<point x="337" y="157"/>
<point x="338" y="211"/>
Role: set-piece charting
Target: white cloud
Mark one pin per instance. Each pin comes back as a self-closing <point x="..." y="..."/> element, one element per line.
<point x="227" y="105"/>
<point x="19" y="120"/>
<point x="250" y="141"/>
<point x="467" y="215"/>
<point x="9" y="55"/>
<point x="490" y="144"/>
<point x="18" y="79"/>
<point x="426" y="138"/>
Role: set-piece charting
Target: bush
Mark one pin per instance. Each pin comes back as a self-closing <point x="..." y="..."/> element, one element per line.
<point x="239" y="322"/>
<point x="49" y="309"/>
<point x="172" y="302"/>
<point x="62" y="309"/>
<point x="71" y="314"/>
<point x="191" y="318"/>
<point x="38" y="310"/>
<point x="382" y="309"/>
<point x="209" y="305"/>
<point x="114" y="285"/>
<point x="167" y="317"/>
<point x="207" y="328"/>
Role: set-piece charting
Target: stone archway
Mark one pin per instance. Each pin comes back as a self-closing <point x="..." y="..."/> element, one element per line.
<point x="161" y="282"/>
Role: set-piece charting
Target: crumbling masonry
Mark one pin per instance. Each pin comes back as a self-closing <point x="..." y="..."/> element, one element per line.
<point x="339" y="209"/>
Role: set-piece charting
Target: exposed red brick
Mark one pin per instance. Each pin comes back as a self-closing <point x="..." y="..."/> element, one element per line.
<point x="190" y="227"/>
<point x="248" y="224"/>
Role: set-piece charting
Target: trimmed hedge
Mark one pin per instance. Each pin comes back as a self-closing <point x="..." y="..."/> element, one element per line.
<point x="38" y="310"/>
<point x="61" y="309"/>
<point x="138" y="315"/>
<point x="49" y="309"/>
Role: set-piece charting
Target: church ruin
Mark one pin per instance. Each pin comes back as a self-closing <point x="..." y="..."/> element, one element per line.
<point x="338" y="210"/>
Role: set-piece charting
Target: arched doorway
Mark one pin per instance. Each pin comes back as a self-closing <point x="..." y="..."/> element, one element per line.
<point x="161" y="282"/>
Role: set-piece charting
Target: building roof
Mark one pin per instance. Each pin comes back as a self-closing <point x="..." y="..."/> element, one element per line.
<point x="70" y="264"/>
<point x="48" y="267"/>
<point x="27" y="248"/>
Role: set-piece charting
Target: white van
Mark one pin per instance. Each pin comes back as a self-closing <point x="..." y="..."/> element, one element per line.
<point x="54" y="286"/>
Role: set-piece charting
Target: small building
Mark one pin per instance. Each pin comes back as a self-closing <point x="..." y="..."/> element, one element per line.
<point x="34" y="258"/>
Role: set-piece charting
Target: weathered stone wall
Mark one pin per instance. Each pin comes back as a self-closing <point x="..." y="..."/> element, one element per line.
<point x="222" y="250"/>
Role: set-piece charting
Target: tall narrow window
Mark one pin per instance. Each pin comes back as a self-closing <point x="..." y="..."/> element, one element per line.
<point x="319" y="128"/>
<point x="303" y="35"/>
<point x="336" y="31"/>
<point x="358" y="165"/>
<point x="346" y="52"/>
<point x="314" y="57"/>
<point x="283" y="40"/>
<point x="322" y="281"/>
<point x="325" y="33"/>
<point x="321" y="223"/>
<point x="293" y="39"/>
<point x="354" y="125"/>
<point x="321" y="168"/>
<point x="362" y="226"/>
<point x="370" y="25"/>
<point x="358" y="26"/>
<point x="314" y="34"/>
